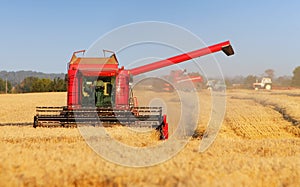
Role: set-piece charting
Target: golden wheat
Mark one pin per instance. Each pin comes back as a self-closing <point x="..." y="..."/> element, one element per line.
<point x="16" y="108"/>
<point x="255" y="147"/>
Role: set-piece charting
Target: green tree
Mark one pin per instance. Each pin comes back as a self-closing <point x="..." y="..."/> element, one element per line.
<point x="296" y="77"/>
<point x="3" y="86"/>
<point x="27" y="85"/>
<point x="283" y="81"/>
<point x="270" y="73"/>
<point x="249" y="80"/>
<point x="34" y="84"/>
<point x="42" y="85"/>
<point x="58" y="85"/>
<point x="228" y="83"/>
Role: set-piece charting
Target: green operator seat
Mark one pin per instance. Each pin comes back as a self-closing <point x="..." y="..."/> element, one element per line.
<point x="99" y="93"/>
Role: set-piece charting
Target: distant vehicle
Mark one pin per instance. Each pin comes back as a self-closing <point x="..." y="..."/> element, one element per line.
<point x="210" y="84"/>
<point x="265" y="83"/>
<point x="216" y="85"/>
<point x="220" y="86"/>
<point x="183" y="81"/>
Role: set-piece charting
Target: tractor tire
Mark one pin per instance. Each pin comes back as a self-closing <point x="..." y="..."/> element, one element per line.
<point x="268" y="87"/>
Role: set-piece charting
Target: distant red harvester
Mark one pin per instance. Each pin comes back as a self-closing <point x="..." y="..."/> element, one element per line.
<point x="179" y="79"/>
<point x="98" y="90"/>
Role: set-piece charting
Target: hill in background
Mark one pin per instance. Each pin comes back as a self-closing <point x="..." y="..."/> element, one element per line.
<point x="17" y="77"/>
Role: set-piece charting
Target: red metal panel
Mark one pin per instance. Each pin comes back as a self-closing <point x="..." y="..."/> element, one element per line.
<point x="98" y="69"/>
<point x="122" y="90"/>
<point x="72" y="99"/>
<point x="179" y="58"/>
<point x="165" y="127"/>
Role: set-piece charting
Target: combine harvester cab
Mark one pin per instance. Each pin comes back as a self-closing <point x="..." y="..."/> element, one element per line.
<point x="99" y="92"/>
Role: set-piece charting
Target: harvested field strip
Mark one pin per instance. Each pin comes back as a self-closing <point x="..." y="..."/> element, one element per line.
<point x="253" y="121"/>
<point x="275" y="106"/>
<point x="288" y="107"/>
<point x="277" y="99"/>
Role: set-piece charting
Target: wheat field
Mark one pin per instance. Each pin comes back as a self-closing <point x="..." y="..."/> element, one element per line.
<point x="257" y="145"/>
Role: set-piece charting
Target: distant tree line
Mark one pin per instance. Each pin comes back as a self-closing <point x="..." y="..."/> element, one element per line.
<point x="282" y="81"/>
<point x="16" y="77"/>
<point x="247" y="82"/>
<point x="58" y="84"/>
<point x="35" y="84"/>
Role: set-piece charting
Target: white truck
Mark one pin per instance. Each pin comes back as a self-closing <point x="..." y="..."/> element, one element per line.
<point x="265" y="83"/>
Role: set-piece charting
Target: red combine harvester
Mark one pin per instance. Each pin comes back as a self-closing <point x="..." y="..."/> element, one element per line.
<point x="99" y="92"/>
<point x="180" y="79"/>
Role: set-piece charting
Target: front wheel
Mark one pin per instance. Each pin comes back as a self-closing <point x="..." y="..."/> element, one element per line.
<point x="268" y="87"/>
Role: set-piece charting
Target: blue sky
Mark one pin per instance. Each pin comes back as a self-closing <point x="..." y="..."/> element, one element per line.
<point x="41" y="35"/>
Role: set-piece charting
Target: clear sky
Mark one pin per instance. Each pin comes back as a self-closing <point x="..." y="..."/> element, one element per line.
<point x="41" y="35"/>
